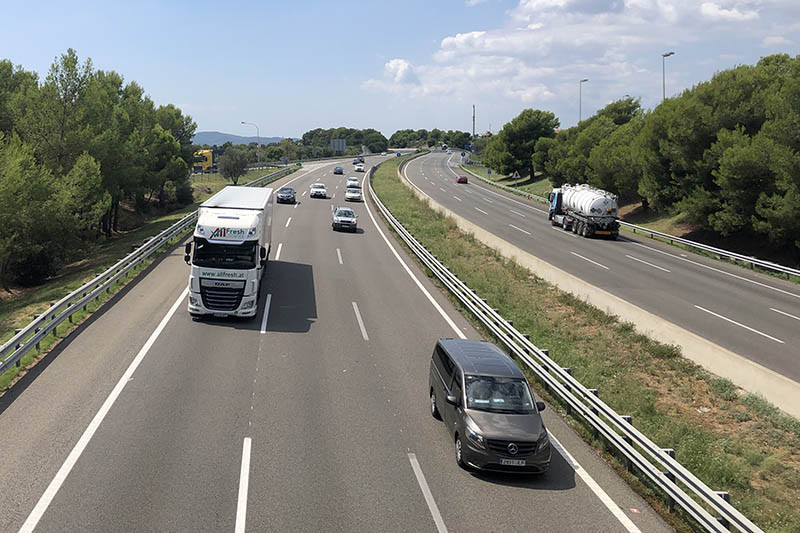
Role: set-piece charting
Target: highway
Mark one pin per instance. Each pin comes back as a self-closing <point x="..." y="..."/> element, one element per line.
<point x="312" y="417"/>
<point x="751" y="314"/>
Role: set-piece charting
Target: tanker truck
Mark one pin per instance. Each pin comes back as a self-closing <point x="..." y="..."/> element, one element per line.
<point x="585" y="210"/>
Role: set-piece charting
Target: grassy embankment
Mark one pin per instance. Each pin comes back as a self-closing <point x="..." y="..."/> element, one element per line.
<point x="17" y="309"/>
<point x="732" y="440"/>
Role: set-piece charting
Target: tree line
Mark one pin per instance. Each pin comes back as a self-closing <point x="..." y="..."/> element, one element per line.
<point x="435" y="137"/>
<point x="725" y="153"/>
<point x="72" y="148"/>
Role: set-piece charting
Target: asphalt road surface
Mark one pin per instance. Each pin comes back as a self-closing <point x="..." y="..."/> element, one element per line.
<point x="312" y="417"/>
<point x="753" y="315"/>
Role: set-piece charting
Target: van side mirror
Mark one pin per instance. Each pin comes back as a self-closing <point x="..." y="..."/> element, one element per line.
<point x="452" y="399"/>
<point x="540" y="406"/>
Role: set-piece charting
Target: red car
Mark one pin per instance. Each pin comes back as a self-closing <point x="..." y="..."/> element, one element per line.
<point x="461" y="179"/>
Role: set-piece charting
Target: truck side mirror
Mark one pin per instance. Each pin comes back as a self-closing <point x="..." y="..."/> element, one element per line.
<point x="263" y="253"/>
<point x="187" y="250"/>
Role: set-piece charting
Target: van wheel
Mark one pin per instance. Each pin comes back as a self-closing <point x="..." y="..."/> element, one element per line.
<point x="434" y="410"/>
<point x="459" y="456"/>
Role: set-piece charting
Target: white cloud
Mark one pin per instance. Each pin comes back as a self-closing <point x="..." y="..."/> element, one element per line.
<point x="545" y="46"/>
<point x="717" y="12"/>
<point x="772" y="41"/>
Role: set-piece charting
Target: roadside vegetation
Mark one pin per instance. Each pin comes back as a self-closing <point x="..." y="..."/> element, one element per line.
<point x="730" y="439"/>
<point x="723" y="155"/>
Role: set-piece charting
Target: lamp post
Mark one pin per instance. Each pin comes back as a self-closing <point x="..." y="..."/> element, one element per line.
<point x="580" y="98"/>
<point x="258" y="140"/>
<point x="664" y="56"/>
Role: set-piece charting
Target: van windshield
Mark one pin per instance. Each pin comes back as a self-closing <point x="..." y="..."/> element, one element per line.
<point x="498" y="395"/>
<point x="233" y="256"/>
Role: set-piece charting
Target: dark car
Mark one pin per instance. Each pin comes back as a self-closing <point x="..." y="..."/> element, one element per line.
<point x="338" y="170"/>
<point x="488" y="408"/>
<point x="462" y="179"/>
<point x="286" y="195"/>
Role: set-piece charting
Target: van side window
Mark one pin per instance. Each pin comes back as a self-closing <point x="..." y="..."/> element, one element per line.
<point x="446" y="363"/>
<point x="455" y="386"/>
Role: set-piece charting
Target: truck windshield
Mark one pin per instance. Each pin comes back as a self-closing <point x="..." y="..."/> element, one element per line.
<point x="234" y="256"/>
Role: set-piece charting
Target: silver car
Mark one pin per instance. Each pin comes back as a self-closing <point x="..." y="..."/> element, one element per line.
<point x="488" y="408"/>
<point x="344" y="218"/>
<point x="353" y="194"/>
<point x="318" y="190"/>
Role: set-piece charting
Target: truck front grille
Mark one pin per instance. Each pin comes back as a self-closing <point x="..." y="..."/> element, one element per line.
<point x="220" y="298"/>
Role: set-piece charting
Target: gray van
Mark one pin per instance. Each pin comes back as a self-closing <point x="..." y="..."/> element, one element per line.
<point x="488" y="408"/>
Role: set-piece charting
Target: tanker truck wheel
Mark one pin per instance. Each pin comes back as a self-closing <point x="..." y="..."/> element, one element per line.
<point x="575" y="224"/>
<point x="584" y="233"/>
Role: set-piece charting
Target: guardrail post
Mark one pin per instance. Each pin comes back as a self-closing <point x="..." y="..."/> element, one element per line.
<point x="727" y="497"/>
<point x="70" y="315"/>
<point x="595" y="432"/>
<point x="670" y="476"/>
<point x="628" y="463"/>
<point x="527" y="336"/>
<point x="17" y="332"/>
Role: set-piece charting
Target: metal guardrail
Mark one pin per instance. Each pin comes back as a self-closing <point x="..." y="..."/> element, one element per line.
<point x="25" y="339"/>
<point x="752" y="261"/>
<point x="654" y="462"/>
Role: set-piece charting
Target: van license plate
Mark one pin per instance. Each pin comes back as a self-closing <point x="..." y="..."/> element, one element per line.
<point x="512" y="462"/>
<point x="220" y="315"/>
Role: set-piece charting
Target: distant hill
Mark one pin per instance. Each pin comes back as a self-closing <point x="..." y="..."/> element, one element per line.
<point x="219" y="138"/>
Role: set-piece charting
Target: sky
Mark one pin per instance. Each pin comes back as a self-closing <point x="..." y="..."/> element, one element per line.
<point x="292" y="66"/>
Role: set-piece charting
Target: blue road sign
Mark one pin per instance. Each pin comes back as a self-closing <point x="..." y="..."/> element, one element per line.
<point x="489" y="170"/>
<point x="463" y="154"/>
<point x="398" y="154"/>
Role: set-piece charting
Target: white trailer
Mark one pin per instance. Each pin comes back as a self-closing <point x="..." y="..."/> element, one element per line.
<point x="229" y="250"/>
<point x="585" y="210"/>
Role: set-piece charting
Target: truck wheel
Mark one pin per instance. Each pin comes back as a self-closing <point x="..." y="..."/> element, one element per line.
<point x="553" y="222"/>
<point x="584" y="233"/>
<point x="614" y="236"/>
<point x="566" y="225"/>
<point x="575" y="225"/>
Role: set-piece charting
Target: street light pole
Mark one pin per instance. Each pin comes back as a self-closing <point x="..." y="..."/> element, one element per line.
<point x="580" y="98"/>
<point x="258" y="140"/>
<point x="664" y="56"/>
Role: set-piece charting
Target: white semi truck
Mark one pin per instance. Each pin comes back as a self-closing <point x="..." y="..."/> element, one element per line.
<point x="585" y="210"/>
<point x="229" y="250"/>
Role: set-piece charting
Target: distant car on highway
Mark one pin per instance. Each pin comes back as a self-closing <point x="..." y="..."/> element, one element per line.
<point x="353" y="194"/>
<point x="286" y="195"/>
<point x="318" y="190"/>
<point x="353" y="182"/>
<point x="359" y="168"/>
<point x="356" y="161"/>
<point x="383" y="153"/>
<point x="338" y="170"/>
<point x="488" y="408"/>
<point x="344" y="218"/>
<point x="462" y="179"/>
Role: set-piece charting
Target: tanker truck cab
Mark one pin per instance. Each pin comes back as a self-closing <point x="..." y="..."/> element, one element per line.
<point x="228" y="253"/>
<point x="556" y="215"/>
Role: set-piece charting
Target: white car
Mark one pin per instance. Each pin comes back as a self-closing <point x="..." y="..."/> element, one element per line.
<point x="318" y="190"/>
<point x="359" y="168"/>
<point x="353" y="181"/>
<point x="353" y="194"/>
<point x="344" y="218"/>
<point x="383" y="153"/>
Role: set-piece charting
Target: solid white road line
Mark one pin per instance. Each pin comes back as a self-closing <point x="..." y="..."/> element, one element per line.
<point x="587" y="259"/>
<point x="481" y="210"/>
<point x="594" y="487"/>
<point x="266" y="314"/>
<point x="457" y="198"/>
<point x="278" y="253"/>
<point x="520" y="229"/>
<point x="426" y="492"/>
<point x="646" y="263"/>
<point x="720" y="271"/>
<point x="287" y="222"/>
<point x="244" y="479"/>
<point x="748" y="328"/>
<point x="419" y="284"/>
<point x="339" y="255"/>
<point x="784" y="313"/>
<point x="517" y="213"/>
<point x="360" y="322"/>
<point x="52" y="489"/>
